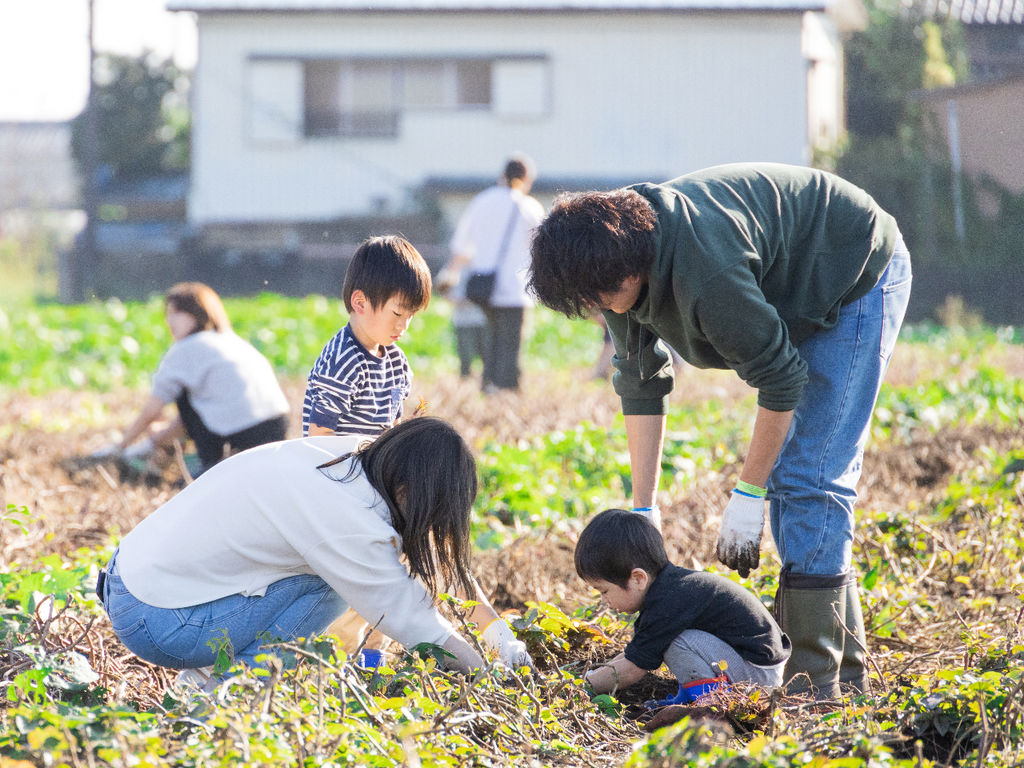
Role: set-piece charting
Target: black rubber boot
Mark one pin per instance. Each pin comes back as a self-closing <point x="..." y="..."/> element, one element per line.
<point x="806" y="608"/>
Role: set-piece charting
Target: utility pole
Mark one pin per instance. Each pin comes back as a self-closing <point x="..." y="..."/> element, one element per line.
<point x="85" y="258"/>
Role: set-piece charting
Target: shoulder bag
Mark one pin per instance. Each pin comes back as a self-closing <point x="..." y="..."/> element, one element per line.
<point x="480" y="285"/>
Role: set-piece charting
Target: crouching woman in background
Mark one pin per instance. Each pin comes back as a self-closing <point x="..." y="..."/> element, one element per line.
<point x="225" y="390"/>
<point x="280" y="540"/>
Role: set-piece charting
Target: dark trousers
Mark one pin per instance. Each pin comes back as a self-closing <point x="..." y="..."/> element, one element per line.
<point x="471" y="343"/>
<point x="501" y="360"/>
<point x="213" y="447"/>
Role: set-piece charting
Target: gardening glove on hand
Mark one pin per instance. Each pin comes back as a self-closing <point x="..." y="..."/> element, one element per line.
<point x="739" y="538"/>
<point x="498" y="637"/>
<point x="108" y="451"/>
<point x="139" y="449"/>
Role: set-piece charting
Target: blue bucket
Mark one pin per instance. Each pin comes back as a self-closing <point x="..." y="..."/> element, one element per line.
<point x="371" y="658"/>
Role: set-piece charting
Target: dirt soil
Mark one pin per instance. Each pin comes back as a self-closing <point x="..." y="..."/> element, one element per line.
<point x="79" y="503"/>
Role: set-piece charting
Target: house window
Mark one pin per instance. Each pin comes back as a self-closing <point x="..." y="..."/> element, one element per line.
<point x="351" y="98"/>
<point x="365" y="97"/>
<point x="521" y="88"/>
<point x="274" y="102"/>
<point x="369" y="103"/>
<point x="426" y="84"/>
<point x="322" y="98"/>
<point x="473" y="79"/>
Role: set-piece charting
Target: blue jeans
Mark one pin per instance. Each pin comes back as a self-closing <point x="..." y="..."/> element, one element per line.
<point x="813" y="486"/>
<point x="180" y="638"/>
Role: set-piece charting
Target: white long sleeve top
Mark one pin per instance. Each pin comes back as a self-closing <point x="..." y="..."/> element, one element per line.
<point x="268" y="513"/>
<point x="230" y="383"/>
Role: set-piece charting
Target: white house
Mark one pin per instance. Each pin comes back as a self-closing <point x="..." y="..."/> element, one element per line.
<point x="319" y="109"/>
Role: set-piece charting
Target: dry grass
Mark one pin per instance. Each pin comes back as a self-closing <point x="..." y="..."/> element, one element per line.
<point x="78" y="503"/>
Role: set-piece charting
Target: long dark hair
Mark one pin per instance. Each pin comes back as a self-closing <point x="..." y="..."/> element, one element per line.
<point x="423" y="470"/>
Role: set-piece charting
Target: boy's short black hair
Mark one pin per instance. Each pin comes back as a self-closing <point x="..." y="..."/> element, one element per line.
<point x="385" y="266"/>
<point x="589" y="244"/>
<point x="614" y="543"/>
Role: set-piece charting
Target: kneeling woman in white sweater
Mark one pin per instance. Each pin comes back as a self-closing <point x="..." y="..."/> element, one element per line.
<point x="276" y="542"/>
<point x="225" y="390"/>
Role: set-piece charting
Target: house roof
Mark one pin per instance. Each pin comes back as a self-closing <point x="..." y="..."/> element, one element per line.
<point x="203" y="6"/>
<point x="980" y="11"/>
<point x="550" y="185"/>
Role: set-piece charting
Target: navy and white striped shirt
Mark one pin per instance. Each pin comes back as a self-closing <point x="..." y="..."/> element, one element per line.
<point x="353" y="392"/>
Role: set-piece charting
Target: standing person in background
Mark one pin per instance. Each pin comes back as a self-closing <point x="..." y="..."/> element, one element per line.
<point x="227" y="396"/>
<point x="358" y="384"/>
<point x="798" y="281"/>
<point x="469" y="322"/>
<point x="493" y="234"/>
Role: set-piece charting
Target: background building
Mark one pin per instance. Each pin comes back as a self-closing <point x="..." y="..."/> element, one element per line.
<point x="322" y="112"/>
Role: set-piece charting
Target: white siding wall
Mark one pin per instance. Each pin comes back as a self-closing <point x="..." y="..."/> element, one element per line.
<point x="640" y="96"/>
<point x="823" y="51"/>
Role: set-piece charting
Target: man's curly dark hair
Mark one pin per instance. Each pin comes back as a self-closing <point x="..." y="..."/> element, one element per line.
<point x="589" y="244"/>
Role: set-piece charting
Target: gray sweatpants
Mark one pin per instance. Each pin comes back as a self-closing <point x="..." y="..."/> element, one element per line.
<point x="694" y="654"/>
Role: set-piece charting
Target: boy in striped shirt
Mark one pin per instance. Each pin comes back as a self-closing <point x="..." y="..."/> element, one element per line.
<point x="360" y="380"/>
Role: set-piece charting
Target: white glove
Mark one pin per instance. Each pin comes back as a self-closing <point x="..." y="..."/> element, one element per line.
<point x="139" y="449"/>
<point x="739" y="538"/>
<point x="652" y="513"/>
<point x="498" y="637"/>
<point x="108" y="451"/>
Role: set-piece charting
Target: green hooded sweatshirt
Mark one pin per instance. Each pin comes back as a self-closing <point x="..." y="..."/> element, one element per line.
<point x="750" y="260"/>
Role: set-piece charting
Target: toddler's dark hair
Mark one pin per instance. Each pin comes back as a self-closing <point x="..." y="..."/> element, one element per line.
<point x="385" y="266"/>
<point x="614" y="543"/>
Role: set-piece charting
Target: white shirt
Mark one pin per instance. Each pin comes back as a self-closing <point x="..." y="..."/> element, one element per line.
<point x="268" y="513"/>
<point x="480" y="232"/>
<point x="230" y="384"/>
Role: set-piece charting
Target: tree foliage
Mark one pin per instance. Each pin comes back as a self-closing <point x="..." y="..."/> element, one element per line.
<point x="963" y="228"/>
<point x="902" y="50"/>
<point x="142" y="122"/>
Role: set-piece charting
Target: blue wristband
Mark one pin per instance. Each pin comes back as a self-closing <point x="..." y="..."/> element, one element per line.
<point x="748" y="495"/>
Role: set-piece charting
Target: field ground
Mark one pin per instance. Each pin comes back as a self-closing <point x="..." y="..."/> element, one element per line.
<point x="949" y="594"/>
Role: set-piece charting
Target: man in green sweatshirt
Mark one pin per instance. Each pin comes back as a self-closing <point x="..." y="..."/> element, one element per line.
<point x="798" y="281"/>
